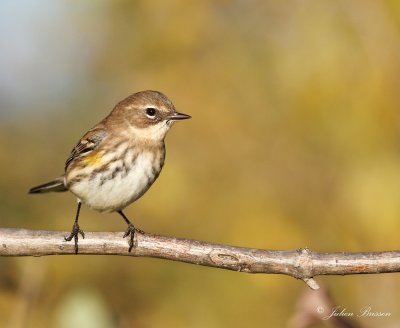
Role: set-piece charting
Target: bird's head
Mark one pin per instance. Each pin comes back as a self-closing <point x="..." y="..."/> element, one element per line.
<point x="148" y="114"/>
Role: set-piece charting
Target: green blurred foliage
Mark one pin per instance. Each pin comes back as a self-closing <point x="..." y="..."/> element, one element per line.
<point x="294" y="142"/>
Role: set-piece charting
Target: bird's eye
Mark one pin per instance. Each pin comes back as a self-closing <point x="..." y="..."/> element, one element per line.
<point x="151" y="112"/>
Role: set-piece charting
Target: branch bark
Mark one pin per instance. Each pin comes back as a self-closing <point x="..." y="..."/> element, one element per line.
<point x="300" y="263"/>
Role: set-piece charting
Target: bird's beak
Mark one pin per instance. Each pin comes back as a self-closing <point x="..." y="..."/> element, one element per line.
<point x="178" y="116"/>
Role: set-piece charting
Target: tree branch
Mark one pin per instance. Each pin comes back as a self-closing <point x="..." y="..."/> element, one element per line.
<point x="301" y="263"/>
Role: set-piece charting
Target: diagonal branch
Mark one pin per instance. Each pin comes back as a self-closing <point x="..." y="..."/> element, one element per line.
<point x="301" y="263"/>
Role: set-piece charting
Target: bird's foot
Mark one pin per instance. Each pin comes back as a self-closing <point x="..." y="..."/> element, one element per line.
<point x="74" y="234"/>
<point x="131" y="231"/>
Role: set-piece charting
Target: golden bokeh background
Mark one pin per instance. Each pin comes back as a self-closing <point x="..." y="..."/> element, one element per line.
<point x="294" y="142"/>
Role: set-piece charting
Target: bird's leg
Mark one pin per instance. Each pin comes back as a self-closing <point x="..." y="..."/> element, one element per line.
<point x="131" y="231"/>
<point x="75" y="229"/>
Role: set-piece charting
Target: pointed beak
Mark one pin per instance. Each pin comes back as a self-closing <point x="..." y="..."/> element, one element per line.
<point x="178" y="116"/>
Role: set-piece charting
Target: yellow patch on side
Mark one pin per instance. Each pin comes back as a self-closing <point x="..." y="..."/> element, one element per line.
<point x="93" y="159"/>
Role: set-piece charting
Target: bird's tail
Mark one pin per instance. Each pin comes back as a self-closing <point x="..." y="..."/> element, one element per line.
<point x="55" y="185"/>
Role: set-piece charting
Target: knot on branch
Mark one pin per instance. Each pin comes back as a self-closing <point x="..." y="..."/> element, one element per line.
<point x="222" y="257"/>
<point x="303" y="267"/>
<point x="303" y="264"/>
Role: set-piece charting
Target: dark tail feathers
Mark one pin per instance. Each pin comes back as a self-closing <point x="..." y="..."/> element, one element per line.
<point x="55" y="185"/>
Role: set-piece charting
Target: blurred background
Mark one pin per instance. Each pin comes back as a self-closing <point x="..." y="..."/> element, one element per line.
<point x="294" y="142"/>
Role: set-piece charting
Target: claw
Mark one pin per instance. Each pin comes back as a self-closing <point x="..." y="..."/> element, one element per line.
<point x="131" y="231"/>
<point x="74" y="234"/>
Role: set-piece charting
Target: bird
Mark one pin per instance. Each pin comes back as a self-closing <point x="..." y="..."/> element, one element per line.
<point x="118" y="159"/>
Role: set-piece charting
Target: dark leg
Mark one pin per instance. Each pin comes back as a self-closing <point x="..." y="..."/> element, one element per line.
<point x="130" y="231"/>
<point x="75" y="229"/>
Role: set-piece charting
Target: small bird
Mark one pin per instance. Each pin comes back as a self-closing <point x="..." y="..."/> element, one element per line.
<point x="118" y="159"/>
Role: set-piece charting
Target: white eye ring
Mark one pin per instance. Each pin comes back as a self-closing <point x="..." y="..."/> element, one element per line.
<point x="151" y="112"/>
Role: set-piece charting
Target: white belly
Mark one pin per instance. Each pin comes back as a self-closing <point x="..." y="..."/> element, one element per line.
<point x="105" y="193"/>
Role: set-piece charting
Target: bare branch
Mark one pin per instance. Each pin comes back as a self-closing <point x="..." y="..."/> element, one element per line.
<point x="301" y="263"/>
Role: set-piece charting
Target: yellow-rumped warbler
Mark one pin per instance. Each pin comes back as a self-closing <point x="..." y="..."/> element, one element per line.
<point x="118" y="160"/>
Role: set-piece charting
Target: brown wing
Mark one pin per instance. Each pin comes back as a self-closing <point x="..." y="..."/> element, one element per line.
<point x="87" y="144"/>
